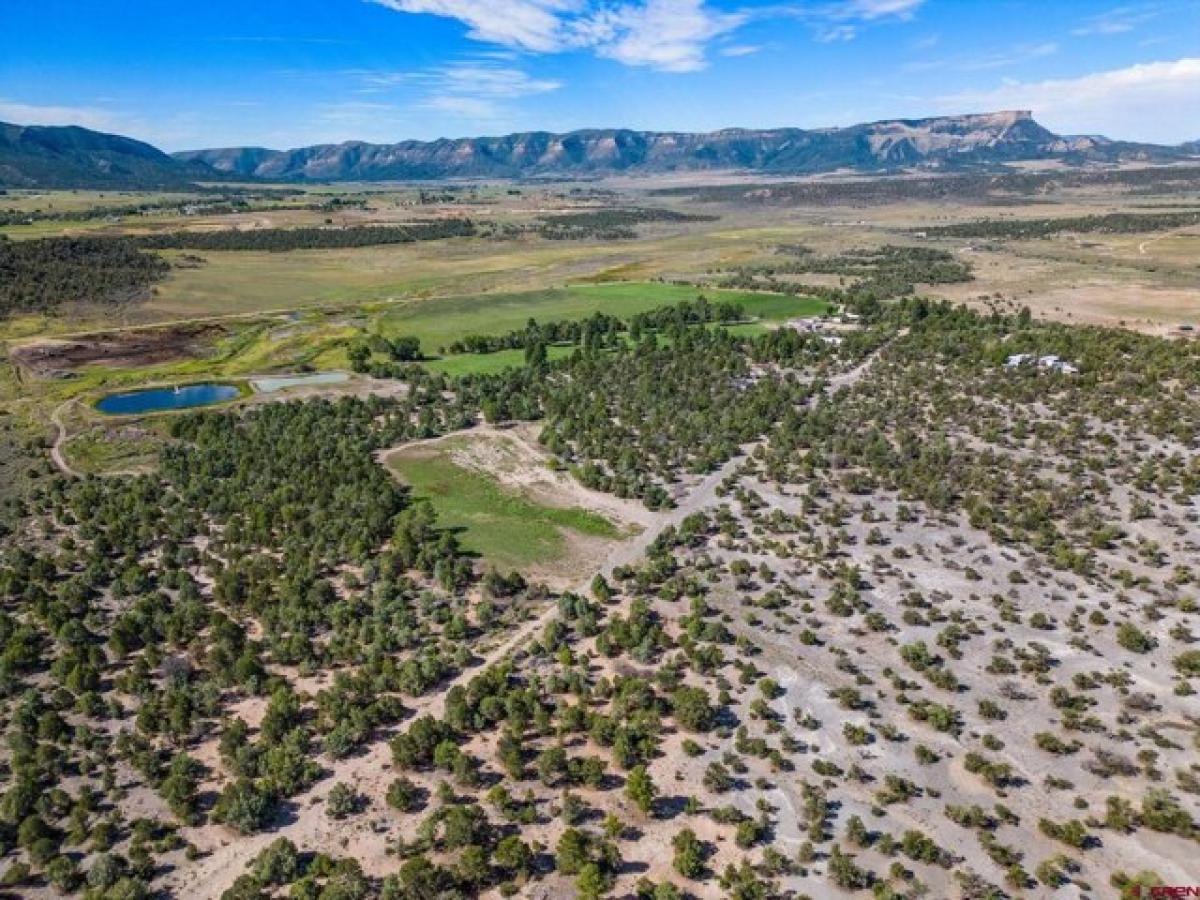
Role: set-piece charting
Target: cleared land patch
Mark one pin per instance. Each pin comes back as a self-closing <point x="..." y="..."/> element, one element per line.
<point x="511" y="510"/>
<point x="111" y="449"/>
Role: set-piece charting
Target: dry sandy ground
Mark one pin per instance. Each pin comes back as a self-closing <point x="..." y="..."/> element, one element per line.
<point x="1077" y="292"/>
<point x="940" y="552"/>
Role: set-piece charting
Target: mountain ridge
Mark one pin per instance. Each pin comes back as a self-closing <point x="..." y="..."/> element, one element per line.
<point x="935" y="142"/>
<point x="70" y="156"/>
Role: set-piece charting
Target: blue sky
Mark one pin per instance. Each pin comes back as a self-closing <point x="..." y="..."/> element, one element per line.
<point x="285" y="73"/>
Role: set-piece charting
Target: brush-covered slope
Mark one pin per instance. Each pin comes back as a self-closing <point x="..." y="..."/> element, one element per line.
<point x="40" y="156"/>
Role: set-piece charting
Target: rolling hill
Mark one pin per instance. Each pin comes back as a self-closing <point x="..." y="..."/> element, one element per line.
<point x="38" y="156"/>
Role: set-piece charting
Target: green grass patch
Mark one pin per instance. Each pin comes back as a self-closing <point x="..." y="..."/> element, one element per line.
<point x="440" y="322"/>
<point x="505" y="527"/>
<point x="489" y="363"/>
<point x="116" y="449"/>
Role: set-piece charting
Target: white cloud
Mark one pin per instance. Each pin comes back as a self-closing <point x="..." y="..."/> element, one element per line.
<point x="843" y="20"/>
<point x="1157" y="101"/>
<point x="480" y="87"/>
<point x="831" y="34"/>
<point x="479" y="90"/>
<point x="354" y="111"/>
<point x="477" y="109"/>
<point x="977" y="62"/>
<point x="670" y="35"/>
<point x="736" y="50"/>
<point x="527" y="24"/>
<point x="876" y="9"/>
<point x="492" y="81"/>
<point x="664" y="34"/>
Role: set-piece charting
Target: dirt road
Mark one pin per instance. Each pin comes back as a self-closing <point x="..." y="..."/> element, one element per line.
<point x="60" y="438"/>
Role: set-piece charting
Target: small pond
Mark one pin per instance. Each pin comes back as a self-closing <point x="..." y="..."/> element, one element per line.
<point x="159" y="399"/>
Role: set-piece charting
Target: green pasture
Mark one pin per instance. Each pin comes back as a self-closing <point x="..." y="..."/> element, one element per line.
<point x="440" y="322"/>
<point x="505" y="527"/>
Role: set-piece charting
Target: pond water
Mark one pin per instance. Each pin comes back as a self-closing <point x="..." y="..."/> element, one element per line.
<point x="159" y="399"/>
<point x="271" y="383"/>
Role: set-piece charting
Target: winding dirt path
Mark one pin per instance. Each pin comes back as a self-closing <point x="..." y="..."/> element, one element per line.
<point x="56" y="449"/>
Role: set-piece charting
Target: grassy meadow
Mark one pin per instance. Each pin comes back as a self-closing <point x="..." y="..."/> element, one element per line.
<point x="440" y="322"/>
<point x="505" y="527"/>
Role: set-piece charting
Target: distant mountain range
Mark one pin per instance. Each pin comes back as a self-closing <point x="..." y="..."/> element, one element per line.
<point x="73" y="157"/>
<point x="76" y="157"/>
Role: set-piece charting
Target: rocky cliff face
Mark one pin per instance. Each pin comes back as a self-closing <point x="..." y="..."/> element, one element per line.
<point x="947" y="141"/>
<point x="76" y="157"/>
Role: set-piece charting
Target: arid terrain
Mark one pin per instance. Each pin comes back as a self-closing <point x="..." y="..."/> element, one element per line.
<point x="730" y="537"/>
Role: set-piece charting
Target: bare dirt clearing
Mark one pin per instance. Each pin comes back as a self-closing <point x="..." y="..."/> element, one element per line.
<point x="117" y="349"/>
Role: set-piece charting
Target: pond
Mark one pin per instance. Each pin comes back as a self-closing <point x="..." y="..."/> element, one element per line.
<point x="159" y="399"/>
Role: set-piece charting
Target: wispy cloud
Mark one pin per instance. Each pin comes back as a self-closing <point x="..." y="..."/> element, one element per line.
<point x="736" y="50"/>
<point x="480" y="87"/>
<point x="831" y="34"/>
<point x="475" y="109"/>
<point x="1011" y="57"/>
<point x="985" y="60"/>
<point x="876" y="9"/>
<point x="843" y="21"/>
<point x="477" y="90"/>
<point x="354" y="111"/>
<point x="670" y="35"/>
<point x="492" y="81"/>
<point x="1118" y="20"/>
<point x="1157" y="101"/>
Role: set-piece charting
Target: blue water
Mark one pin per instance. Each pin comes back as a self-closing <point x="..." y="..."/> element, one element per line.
<point x="159" y="399"/>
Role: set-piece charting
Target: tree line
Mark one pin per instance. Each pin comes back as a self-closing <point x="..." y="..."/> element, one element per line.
<point x="603" y="330"/>
<point x="43" y="275"/>
<point x="1108" y="223"/>
<point x="308" y="238"/>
